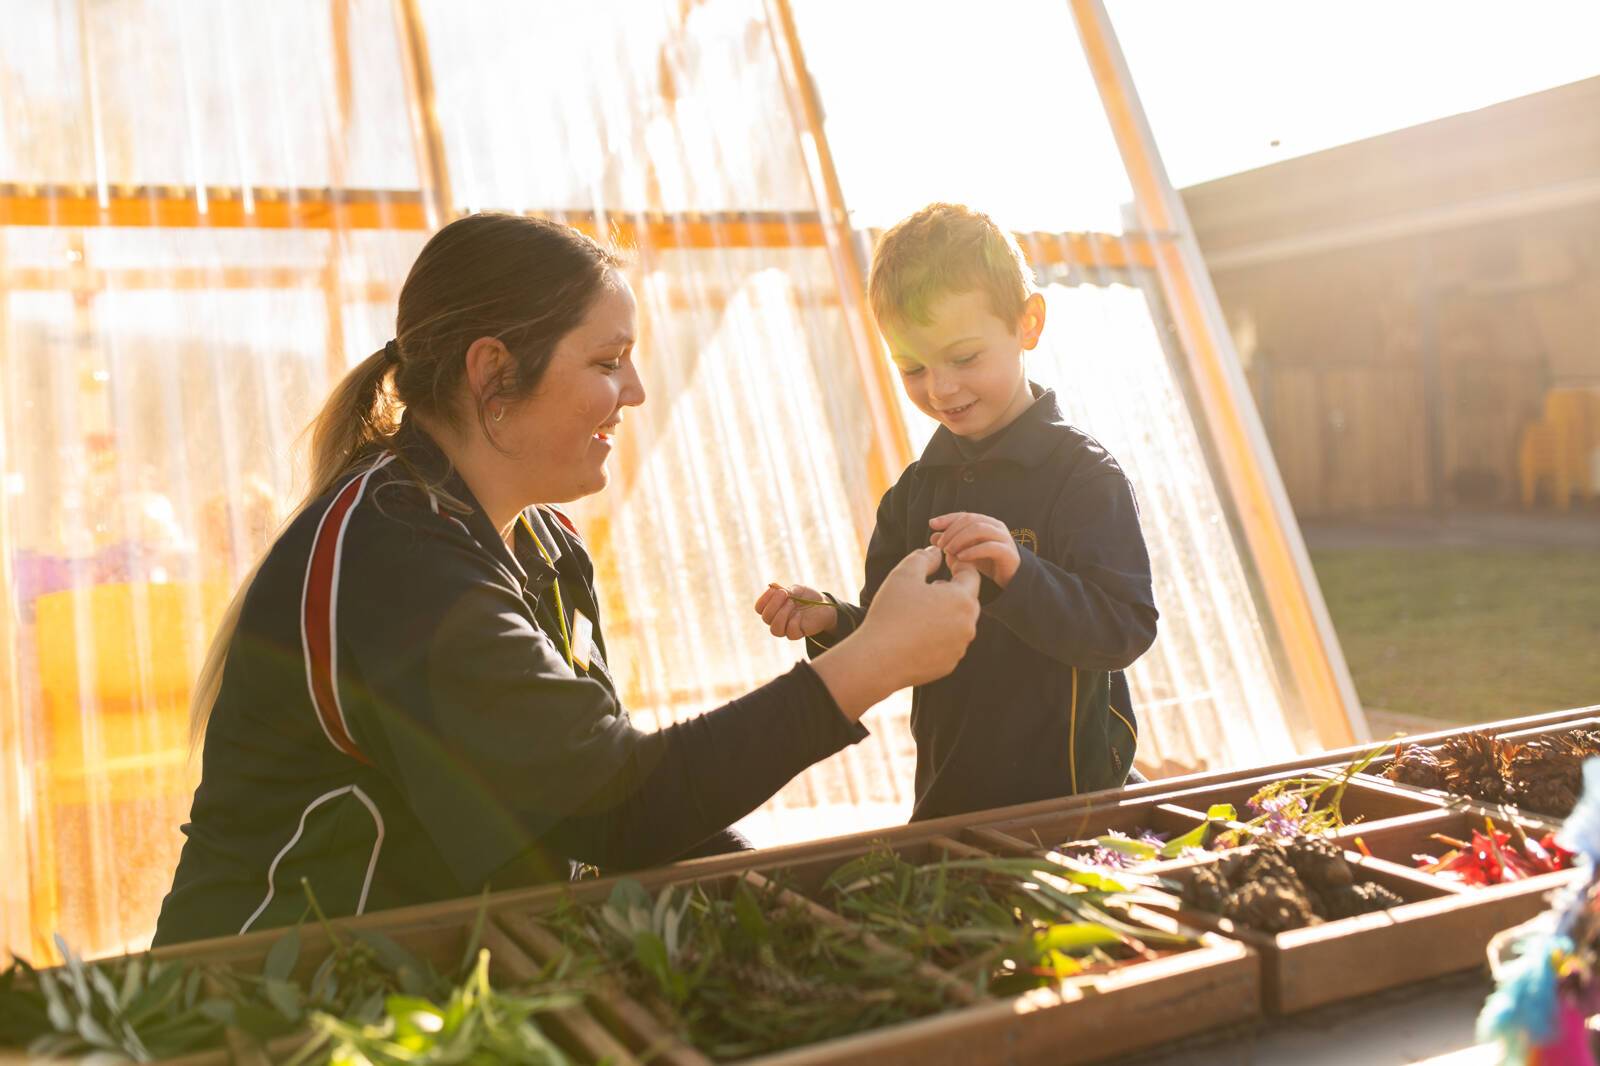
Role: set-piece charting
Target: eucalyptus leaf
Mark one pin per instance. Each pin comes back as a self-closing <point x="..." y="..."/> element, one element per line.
<point x="80" y="981"/>
<point x="282" y="956"/>
<point x="107" y="991"/>
<point x="92" y="1031"/>
<point x="132" y="980"/>
<point x="165" y="979"/>
<point x="285" y="997"/>
<point x="60" y="1016"/>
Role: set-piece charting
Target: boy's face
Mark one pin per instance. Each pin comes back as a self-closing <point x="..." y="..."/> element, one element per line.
<point x="964" y="368"/>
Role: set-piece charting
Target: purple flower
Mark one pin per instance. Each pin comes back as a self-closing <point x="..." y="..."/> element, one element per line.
<point x="1108" y="857"/>
<point x="1284" y="814"/>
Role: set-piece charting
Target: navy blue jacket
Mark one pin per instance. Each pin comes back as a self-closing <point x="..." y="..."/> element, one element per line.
<point x="1039" y="706"/>
<point x="398" y="722"/>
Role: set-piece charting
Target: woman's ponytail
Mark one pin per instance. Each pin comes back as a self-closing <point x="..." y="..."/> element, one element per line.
<point x="357" y="421"/>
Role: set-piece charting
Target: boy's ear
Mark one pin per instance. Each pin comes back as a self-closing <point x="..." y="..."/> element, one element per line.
<point x="1031" y="325"/>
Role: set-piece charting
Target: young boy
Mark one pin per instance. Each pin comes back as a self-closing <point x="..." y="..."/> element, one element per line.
<point x="1039" y="706"/>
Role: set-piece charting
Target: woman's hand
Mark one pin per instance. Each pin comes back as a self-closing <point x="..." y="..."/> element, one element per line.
<point x="915" y="632"/>
<point x="977" y="540"/>
<point x="788" y="614"/>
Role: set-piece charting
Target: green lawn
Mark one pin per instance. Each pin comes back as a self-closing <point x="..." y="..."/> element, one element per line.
<point x="1467" y="634"/>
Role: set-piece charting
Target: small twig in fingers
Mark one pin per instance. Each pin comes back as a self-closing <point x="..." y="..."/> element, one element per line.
<point x="803" y="601"/>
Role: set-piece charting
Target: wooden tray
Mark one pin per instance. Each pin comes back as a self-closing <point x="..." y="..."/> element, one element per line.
<point x="1443" y="927"/>
<point x="1374" y="773"/>
<point x="1215" y="984"/>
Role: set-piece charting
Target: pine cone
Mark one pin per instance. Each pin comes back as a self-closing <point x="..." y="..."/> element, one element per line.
<point x="1268" y="860"/>
<point x="1416" y="765"/>
<point x="1377" y="897"/>
<point x="1319" y="862"/>
<point x="1472" y="767"/>
<point x="1364" y="898"/>
<point x="1270" y="906"/>
<point x="1206" y="890"/>
<point x="1543" y="775"/>
<point x="1584" y="742"/>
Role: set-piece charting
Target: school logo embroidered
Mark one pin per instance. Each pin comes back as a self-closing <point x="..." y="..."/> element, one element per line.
<point x="1026" y="538"/>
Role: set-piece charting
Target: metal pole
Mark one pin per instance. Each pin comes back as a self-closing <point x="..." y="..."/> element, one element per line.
<point x="1294" y="599"/>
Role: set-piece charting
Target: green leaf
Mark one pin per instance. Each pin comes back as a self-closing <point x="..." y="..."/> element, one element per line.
<point x="95" y="1033"/>
<point x="164" y="978"/>
<point x="55" y="1004"/>
<point x="284" y="997"/>
<point x="748" y="913"/>
<point x="108" y="991"/>
<point x="132" y="978"/>
<point x="80" y="981"/>
<point x="1072" y="937"/>
<point x="476" y="938"/>
<point x="629" y="895"/>
<point x="393" y="957"/>
<point x="1060" y="964"/>
<point x="1136" y="849"/>
<point x="282" y="956"/>
<point x="221" y="1011"/>
<point x="1196" y="837"/>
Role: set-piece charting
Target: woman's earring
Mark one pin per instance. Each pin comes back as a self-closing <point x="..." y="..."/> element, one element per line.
<point x="498" y="415"/>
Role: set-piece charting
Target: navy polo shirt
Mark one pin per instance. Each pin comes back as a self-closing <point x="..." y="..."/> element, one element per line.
<point x="398" y="723"/>
<point x="1039" y="706"/>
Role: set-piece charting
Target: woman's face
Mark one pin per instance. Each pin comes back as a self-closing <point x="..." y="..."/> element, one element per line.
<point x="560" y="436"/>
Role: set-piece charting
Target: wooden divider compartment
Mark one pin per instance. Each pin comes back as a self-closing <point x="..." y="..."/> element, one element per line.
<point x="1398" y="842"/>
<point x="1213" y="984"/>
<point x="1363" y="801"/>
<point x="1443" y="927"/>
<point x="1375" y="772"/>
<point x="442" y="941"/>
<point x="1047" y="833"/>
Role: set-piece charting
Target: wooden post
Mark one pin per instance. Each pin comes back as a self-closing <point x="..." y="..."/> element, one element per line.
<point x="891" y="445"/>
<point x="1316" y="667"/>
<point x="433" y="170"/>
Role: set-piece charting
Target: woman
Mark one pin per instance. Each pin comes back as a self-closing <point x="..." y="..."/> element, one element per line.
<point x="410" y="698"/>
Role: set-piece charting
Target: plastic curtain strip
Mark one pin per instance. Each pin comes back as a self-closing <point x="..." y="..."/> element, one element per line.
<point x="205" y="215"/>
<point x="745" y="464"/>
<point x="154" y="380"/>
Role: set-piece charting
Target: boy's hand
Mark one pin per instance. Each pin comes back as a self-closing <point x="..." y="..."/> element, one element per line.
<point x="781" y="608"/>
<point x="979" y="541"/>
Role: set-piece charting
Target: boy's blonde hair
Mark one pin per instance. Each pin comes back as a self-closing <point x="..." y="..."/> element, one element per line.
<point x="944" y="249"/>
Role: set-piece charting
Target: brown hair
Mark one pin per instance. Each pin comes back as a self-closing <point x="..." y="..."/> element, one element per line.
<point x="524" y="281"/>
<point x="944" y="249"/>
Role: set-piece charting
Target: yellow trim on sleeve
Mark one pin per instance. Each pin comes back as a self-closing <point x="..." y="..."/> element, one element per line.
<point x="1132" y="732"/>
